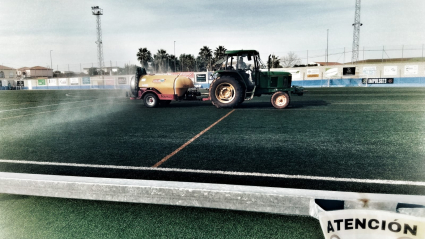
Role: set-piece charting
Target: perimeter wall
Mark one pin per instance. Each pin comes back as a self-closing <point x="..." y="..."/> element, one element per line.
<point x="409" y="74"/>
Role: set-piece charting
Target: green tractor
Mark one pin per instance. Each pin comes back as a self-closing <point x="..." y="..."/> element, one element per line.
<point x="241" y="75"/>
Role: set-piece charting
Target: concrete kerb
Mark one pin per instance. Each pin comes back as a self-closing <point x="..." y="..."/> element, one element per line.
<point x="221" y="196"/>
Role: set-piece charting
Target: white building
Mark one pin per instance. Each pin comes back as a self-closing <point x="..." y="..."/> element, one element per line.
<point x="7" y="72"/>
<point x="36" y="71"/>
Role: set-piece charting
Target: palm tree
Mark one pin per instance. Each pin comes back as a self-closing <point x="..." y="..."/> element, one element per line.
<point x="144" y="56"/>
<point x="274" y="62"/>
<point x="219" y="52"/>
<point x="161" y="59"/>
<point x="188" y="62"/>
<point x="172" y="58"/>
<point x="206" y="55"/>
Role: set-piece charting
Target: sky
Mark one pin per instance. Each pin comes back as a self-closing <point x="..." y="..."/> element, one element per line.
<point x="63" y="33"/>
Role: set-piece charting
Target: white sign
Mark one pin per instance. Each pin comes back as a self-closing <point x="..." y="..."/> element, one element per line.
<point x="390" y="70"/>
<point x="369" y="70"/>
<point x="63" y="81"/>
<point x="313" y="73"/>
<point x="331" y="72"/>
<point x="411" y="69"/>
<point x="74" y="81"/>
<point x="295" y="74"/>
<point x="370" y="224"/>
<point x="51" y="82"/>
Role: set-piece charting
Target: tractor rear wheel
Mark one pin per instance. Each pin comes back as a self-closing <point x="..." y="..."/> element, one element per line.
<point x="151" y="100"/>
<point x="280" y="100"/>
<point x="226" y="92"/>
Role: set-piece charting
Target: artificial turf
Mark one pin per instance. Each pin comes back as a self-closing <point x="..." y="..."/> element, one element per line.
<point x="38" y="217"/>
<point x="365" y="133"/>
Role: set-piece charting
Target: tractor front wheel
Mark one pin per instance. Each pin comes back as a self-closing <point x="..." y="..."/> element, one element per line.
<point x="226" y="92"/>
<point x="280" y="100"/>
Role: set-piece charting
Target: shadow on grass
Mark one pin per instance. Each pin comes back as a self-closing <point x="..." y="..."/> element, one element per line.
<point x="245" y="105"/>
<point x="294" y="104"/>
<point x="301" y="104"/>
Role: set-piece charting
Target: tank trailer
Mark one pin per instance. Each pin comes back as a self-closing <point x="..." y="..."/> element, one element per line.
<point x="240" y="76"/>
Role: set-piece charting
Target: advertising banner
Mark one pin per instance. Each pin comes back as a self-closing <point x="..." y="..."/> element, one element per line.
<point x="109" y="82"/>
<point x="313" y="73"/>
<point x="296" y="75"/>
<point x="411" y="69"/>
<point x="122" y="80"/>
<point x="369" y="70"/>
<point x="86" y="80"/>
<point x="370" y="224"/>
<point x="201" y="78"/>
<point x="41" y="82"/>
<point x="63" y="81"/>
<point x="349" y="71"/>
<point x="390" y="70"/>
<point x="51" y="82"/>
<point x="74" y="81"/>
<point x="331" y="72"/>
<point x="378" y="80"/>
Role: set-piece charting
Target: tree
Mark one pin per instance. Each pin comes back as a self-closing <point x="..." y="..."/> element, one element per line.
<point x="290" y="60"/>
<point x="274" y="62"/>
<point x="160" y="60"/>
<point x="93" y="71"/>
<point x="128" y="69"/>
<point x="219" y="53"/>
<point x="171" y="65"/>
<point x="206" y="56"/>
<point x="144" y="56"/>
<point x="187" y="62"/>
<point x="200" y="64"/>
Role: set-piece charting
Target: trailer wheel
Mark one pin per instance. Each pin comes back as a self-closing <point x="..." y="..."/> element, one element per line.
<point x="226" y="92"/>
<point x="280" y="100"/>
<point x="151" y="100"/>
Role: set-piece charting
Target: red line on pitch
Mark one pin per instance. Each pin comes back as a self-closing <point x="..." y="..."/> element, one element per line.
<point x="190" y="141"/>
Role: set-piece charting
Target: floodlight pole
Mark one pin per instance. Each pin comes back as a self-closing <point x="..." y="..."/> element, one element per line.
<point x="51" y="65"/>
<point x="175" y="69"/>
<point x="98" y="12"/>
<point x="356" y="33"/>
<point x="327" y="46"/>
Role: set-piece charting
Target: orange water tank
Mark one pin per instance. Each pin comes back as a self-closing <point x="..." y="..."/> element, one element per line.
<point x="166" y="84"/>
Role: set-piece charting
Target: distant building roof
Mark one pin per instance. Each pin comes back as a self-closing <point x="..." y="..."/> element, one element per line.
<point x="328" y="63"/>
<point x="412" y="59"/>
<point x="23" y="68"/>
<point x="39" y="68"/>
<point x="6" y="68"/>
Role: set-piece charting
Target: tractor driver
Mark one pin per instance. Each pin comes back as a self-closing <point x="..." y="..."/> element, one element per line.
<point x="241" y="64"/>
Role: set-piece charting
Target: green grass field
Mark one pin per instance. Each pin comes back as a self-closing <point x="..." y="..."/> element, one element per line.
<point x="35" y="217"/>
<point x="361" y="133"/>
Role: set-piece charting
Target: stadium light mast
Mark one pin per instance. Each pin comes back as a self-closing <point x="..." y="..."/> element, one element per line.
<point x="356" y="33"/>
<point x="98" y="12"/>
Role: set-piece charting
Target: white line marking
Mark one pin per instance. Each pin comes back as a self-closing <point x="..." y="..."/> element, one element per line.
<point x="230" y="173"/>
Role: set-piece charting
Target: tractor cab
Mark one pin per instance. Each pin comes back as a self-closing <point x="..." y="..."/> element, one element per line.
<point x="245" y="63"/>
